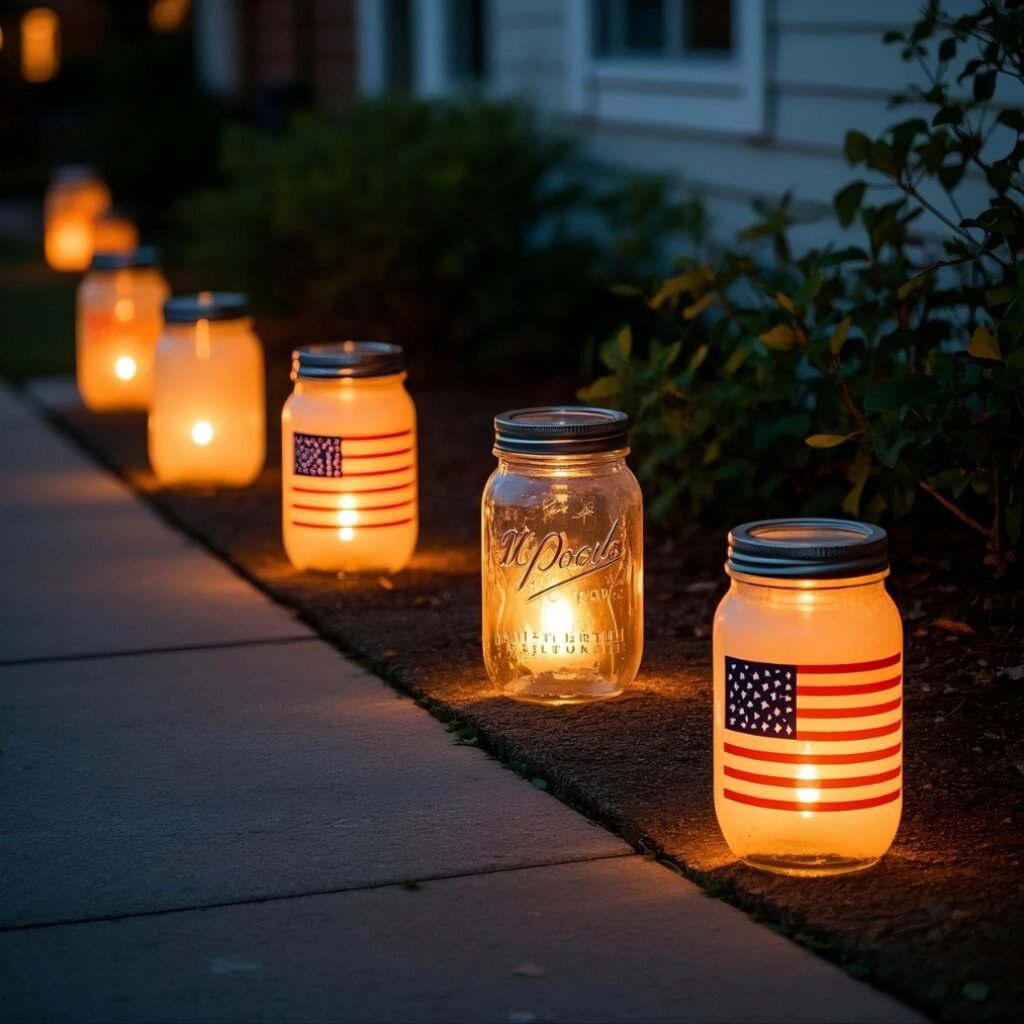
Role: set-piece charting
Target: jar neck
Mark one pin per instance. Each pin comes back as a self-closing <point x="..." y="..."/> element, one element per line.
<point x="340" y="385"/>
<point x="220" y="329"/>
<point x="593" y="464"/>
<point x="760" y="587"/>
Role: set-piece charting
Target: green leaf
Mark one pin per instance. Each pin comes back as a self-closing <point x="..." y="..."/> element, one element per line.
<point x="826" y="440"/>
<point x="900" y="392"/>
<point x="1016" y="361"/>
<point x="693" y="311"/>
<point x="624" y="341"/>
<point x="839" y="335"/>
<point x="785" y="302"/>
<point x="847" y="202"/>
<point x="603" y="387"/>
<point x="983" y="346"/>
<point x="947" y="49"/>
<point x="712" y="452"/>
<point x="858" y="475"/>
<point x="1012" y="119"/>
<point x="976" y="991"/>
<point x="692" y="280"/>
<point x="738" y="357"/>
<point x="781" y="336"/>
<point x="698" y="358"/>
<point x="984" y="86"/>
<point x="856" y="147"/>
<point x="914" y="283"/>
<point x="1001" y="296"/>
<point x="951" y="114"/>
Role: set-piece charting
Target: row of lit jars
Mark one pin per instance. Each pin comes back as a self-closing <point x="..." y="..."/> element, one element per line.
<point x="807" y="643"/>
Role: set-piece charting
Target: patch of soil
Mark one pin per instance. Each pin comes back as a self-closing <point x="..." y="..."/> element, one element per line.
<point x="945" y="908"/>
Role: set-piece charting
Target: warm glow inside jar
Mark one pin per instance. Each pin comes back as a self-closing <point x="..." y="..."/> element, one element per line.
<point x="207" y="417"/>
<point x="348" y="435"/>
<point x="75" y="200"/>
<point x="808" y="695"/>
<point x="114" y="232"/>
<point x="119" y="318"/>
<point x="562" y="557"/>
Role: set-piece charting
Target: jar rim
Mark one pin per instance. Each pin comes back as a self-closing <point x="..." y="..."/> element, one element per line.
<point x="189" y="309"/>
<point x="807" y="548"/>
<point x="346" y="359"/>
<point x="144" y="256"/>
<point x="561" y="430"/>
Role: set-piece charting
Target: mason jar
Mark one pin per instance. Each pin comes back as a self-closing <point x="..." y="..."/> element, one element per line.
<point x="76" y="198"/>
<point x="207" y="420"/>
<point x="119" y="316"/>
<point x="808" y="697"/>
<point x="348" y="460"/>
<point x="562" y="557"/>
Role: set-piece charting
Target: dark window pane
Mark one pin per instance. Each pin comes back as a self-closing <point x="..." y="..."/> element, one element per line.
<point x="603" y="45"/>
<point x="398" y="46"/>
<point x="708" y="25"/>
<point x="645" y="24"/>
<point x="469" y="53"/>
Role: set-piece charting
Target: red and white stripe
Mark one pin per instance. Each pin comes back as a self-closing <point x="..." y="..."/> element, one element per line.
<point x="848" y="751"/>
<point x="378" y="483"/>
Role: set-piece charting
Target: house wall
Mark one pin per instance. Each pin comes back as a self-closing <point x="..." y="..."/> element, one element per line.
<point x="826" y="72"/>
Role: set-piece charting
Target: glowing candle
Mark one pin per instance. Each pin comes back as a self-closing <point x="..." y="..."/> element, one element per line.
<point x="562" y="557"/>
<point x="207" y="416"/>
<point x="808" y="668"/>
<point x="74" y="202"/>
<point x="119" y="316"/>
<point x="348" y="460"/>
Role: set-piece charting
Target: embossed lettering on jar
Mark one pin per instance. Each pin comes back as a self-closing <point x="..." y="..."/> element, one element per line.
<point x="808" y="694"/>
<point x="562" y="557"/>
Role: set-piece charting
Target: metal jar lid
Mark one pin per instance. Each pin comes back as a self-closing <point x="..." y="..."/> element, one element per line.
<point x="341" y="359"/>
<point x="561" y="430"/>
<point x="817" y="549"/>
<point x="143" y="256"/>
<point x="187" y="309"/>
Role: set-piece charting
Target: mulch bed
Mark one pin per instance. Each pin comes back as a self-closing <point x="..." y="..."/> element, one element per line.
<point x="945" y="908"/>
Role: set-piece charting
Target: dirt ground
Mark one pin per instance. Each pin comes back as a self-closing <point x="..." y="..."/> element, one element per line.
<point x="939" y="923"/>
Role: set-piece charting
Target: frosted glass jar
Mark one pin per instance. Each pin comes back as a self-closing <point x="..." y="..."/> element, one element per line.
<point x="119" y="317"/>
<point x="348" y="460"/>
<point x="808" y="697"/>
<point x="207" y="420"/>
<point x="562" y="557"/>
<point x="75" y="200"/>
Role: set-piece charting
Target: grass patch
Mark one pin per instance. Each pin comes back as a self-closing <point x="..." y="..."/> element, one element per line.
<point x="37" y="315"/>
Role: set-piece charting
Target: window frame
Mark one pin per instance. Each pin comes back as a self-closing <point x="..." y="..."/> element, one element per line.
<point x="689" y="91"/>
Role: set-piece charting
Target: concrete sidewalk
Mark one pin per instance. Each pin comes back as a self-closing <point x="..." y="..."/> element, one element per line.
<point x="208" y="814"/>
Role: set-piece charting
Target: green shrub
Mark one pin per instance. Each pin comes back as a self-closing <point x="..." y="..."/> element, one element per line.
<point x="860" y="379"/>
<point x="458" y="228"/>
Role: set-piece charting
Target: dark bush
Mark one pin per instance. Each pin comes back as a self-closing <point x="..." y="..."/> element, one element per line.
<point x="863" y="379"/>
<point x="458" y="228"/>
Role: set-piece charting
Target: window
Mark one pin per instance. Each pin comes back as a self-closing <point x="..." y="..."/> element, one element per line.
<point x="677" y="63"/>
<point x="662" y="28"/>
<point x="429" y="47"/>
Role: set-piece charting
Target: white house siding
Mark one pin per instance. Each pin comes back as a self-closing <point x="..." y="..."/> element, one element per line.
<point x="827" y="71"/>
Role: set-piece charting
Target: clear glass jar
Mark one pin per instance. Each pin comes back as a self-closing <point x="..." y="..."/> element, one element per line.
<point x="562" y="557"/>
<point x="207" y="419"/>
<point x="119" y="318"/>
<point x="348" y="460"/>
<point x="808" y="697"/>
<point x="75" y="200"/>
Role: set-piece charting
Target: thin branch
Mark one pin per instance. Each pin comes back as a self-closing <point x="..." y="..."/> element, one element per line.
<point x="958" y="512"/>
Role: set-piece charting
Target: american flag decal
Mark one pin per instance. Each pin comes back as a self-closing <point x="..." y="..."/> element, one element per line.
<point x="367" y="481"/>
<point x="317" y="455"/>
<point x="784" y="725"/>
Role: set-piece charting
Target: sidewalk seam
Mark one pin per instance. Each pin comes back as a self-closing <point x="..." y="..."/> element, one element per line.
<point x="311" y="894"/>
<point x="146" y="651"/>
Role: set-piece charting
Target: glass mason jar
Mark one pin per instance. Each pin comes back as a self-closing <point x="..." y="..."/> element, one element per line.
<point x="76" y="198"/>
<point x="207" y="419"/>
<point x="119" y="318"/>
<point x="562" y="557"/>
<point x="114" y="232"/>
<point x="348" y="460"/>
<point x="808" y="695"/>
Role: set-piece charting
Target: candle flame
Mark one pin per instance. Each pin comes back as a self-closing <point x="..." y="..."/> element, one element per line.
<point x="347" y="517"/>
<point x="807" y="796"/>
<point x="346" y="533"/>
<point x="125" y="369"/>
<point x="202" y="432"/>
<point x="556" y="616"/>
